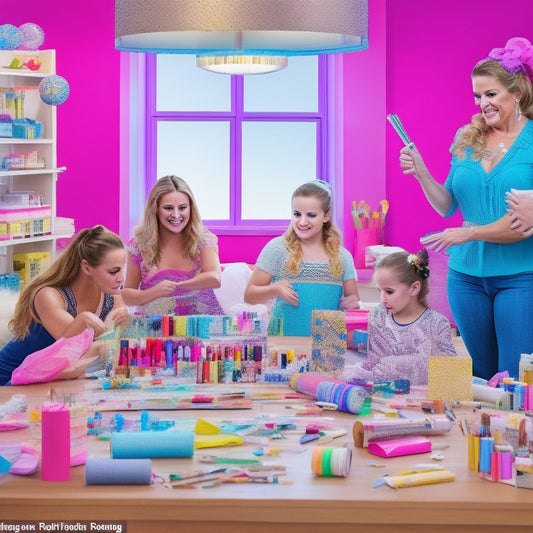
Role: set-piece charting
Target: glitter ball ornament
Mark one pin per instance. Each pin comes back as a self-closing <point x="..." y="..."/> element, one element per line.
<point x="10" y="37"/>
<point x="32" y="36"/>
<point x="54" y="90"/>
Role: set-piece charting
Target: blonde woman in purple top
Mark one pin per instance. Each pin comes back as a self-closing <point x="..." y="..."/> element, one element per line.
<point x="402" y="331"/>
<point x="173" y="263"/>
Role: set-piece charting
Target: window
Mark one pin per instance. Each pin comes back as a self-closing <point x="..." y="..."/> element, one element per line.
<point x="243" y="143"/>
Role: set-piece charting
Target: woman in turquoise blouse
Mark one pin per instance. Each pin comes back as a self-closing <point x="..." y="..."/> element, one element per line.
<point x="490" y="278"/>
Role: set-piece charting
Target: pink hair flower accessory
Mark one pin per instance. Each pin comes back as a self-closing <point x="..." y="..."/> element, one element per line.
<point x="517" y="55"/>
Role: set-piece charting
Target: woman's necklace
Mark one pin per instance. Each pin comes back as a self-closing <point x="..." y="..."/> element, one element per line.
<point x="489" y="155"/>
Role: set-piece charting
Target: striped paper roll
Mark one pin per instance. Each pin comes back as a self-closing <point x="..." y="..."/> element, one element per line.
<point x="149" y="444"/>
<point x="101" y="471"/>
<point x="55" y="437"/>
<point x="307" y="382"/>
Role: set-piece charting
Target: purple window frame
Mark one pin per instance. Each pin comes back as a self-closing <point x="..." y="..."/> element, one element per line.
<point x="235" y="117"/>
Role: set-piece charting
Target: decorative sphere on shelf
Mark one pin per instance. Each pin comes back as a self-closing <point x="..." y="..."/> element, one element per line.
<point x="54" y="90"/>
<point x="10" y="37"/>
<point x="32" y="36"/>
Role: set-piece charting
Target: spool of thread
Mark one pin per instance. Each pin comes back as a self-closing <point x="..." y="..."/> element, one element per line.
<point x="55" y="438"/>
<point x="149" y="444"/>
<point x="331" y="462"/>
<point x="102" y="471"/>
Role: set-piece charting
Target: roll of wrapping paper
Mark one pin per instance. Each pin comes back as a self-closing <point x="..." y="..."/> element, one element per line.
<point x="348" y="398"/>
<point x="149" y="444"/>
<point x="103" y="471"/>
<point x="55" y="439"/>
<point x="492" y="395"/>
<point x="385" y="429"/>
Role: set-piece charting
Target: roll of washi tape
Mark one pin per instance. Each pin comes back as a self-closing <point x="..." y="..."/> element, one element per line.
<point x="55" y="438"/>
<point x="316" y="460"/>
<point x="149" y="444"/>
<point x="326" y="462"/>
<point x="103" y="471"/>
<point x="78" y="434"/>
<point x="331" y="462"/>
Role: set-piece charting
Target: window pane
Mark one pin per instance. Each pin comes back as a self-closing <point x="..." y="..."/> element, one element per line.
<point x="293" y="89"/>
<point x="198" y="152"/>
<point x="277" y="157"/>
<point x="182" y="86"/>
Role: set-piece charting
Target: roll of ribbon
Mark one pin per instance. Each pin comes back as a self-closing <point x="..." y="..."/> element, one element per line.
<point x="101" y="471"/>
<point x="331" y="462"/>
<point x="149" y="444"/>
<point x="55" y="437"/>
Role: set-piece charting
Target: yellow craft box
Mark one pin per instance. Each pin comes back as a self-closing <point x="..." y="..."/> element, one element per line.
<point x="30" y="265"/>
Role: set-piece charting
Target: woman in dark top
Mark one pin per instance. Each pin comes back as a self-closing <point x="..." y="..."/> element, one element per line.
<point x="79" y="290"/>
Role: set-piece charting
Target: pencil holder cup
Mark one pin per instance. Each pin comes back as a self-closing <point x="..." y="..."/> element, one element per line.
<point x="364" y="237"/>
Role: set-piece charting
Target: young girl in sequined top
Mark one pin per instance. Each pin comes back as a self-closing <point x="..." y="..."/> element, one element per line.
<point x="402" y="331"/>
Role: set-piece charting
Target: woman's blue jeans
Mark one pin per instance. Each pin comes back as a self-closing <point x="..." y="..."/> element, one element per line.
<point x="494" y="316"/>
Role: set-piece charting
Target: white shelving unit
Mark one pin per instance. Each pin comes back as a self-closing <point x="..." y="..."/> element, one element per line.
<point x="42" y="180"/>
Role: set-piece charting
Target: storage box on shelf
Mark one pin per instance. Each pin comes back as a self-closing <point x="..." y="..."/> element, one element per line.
<point x="29" y="265"/>
<point x="28" y="157"/>
<point x="23" y="222"/>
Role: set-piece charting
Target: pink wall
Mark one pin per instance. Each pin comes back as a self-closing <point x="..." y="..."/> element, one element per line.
<point x="417" y="65"/>
<point x="365" y="91"/>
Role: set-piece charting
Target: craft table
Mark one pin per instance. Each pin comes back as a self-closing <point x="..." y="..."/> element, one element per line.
<point x="308" y="504"/>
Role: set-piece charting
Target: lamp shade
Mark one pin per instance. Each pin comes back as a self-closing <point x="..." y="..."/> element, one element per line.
<point x="241" y="27"/>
